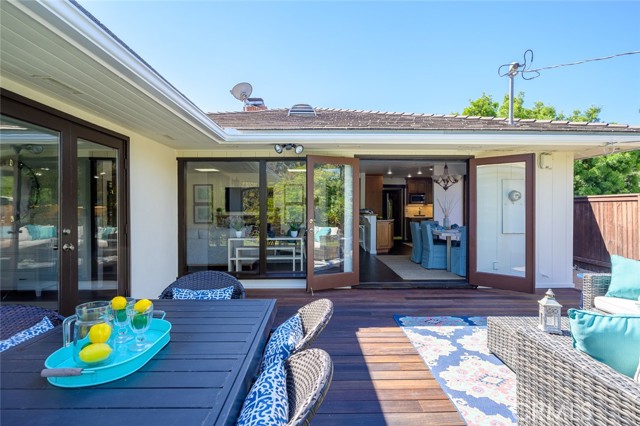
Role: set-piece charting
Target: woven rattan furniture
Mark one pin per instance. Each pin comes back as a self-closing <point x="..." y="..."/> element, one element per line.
<point x="15" y="318"/>
<point x="594" y="285"/>
<point x="314" y="316"/>
<point x="309" y="375"/>
<point x="561" y="386"/>
<point x="205" y="280"/>
<point x="501" y="336"/>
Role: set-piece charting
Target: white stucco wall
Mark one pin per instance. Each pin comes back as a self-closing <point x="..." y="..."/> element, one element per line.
<point x="154" y="217"/>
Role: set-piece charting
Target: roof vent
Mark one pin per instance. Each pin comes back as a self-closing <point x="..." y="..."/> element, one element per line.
<point x="302" y="109"/>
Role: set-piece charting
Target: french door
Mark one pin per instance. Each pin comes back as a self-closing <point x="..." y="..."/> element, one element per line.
<point x="63" y="209"/>
<point x="502" y="222"/>
<point x="332" y="222"/>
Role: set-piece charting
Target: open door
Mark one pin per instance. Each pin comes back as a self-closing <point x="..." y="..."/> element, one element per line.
<point x="332" y="222"/>
<point x="502" y="222"/>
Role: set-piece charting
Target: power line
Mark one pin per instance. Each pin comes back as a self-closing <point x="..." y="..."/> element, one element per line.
<point x="516" y="68"/>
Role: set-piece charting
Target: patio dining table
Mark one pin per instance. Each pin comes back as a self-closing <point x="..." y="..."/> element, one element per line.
<point x="200" y="377"/>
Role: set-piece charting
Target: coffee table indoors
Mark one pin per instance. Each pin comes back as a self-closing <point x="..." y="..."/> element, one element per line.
<point x="201" y="377"/>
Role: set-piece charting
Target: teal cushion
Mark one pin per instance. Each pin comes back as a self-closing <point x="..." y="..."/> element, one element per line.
<point x="320" y="231"/>
<point x="611" y="339"/>
<point x="625" y="278"/>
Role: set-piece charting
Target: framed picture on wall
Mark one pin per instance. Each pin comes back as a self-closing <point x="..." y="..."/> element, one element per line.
<point x="202" y="214"/>
<point x="202" y="193"/>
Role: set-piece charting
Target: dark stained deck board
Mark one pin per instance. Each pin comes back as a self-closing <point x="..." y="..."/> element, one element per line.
<point x="379" y="378"/>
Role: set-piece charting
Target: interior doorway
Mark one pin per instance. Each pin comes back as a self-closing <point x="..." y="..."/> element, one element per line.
<point x="407" y="190"/>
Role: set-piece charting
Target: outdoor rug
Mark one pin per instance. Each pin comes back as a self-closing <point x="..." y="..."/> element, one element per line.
<point x="407" y="270"/>
<point x="480" y="386"/>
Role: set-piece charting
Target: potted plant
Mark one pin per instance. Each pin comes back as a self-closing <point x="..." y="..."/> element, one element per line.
<point x="236" y="223"/>
<point x="294" y="227"/>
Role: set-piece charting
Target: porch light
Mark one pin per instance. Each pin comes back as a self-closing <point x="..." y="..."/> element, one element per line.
<point x="279" y="148"/>
<point x="549" y="314"/>
<point x="445" y="180"/>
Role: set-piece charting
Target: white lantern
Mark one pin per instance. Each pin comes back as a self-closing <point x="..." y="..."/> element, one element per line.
<point x="549" y="311"/>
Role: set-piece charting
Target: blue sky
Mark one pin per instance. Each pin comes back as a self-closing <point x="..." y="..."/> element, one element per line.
<point x="417" y="56"/>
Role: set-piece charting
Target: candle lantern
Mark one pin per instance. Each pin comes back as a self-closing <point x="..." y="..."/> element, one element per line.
<point x="549" y="314"/>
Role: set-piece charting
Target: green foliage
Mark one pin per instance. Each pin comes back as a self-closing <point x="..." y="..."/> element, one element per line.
<point x="612" y="174"/>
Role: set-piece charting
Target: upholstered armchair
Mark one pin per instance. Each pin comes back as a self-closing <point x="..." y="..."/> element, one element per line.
<point x="434" y="255"/>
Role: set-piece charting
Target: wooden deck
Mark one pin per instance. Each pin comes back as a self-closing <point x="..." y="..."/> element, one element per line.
<point x="379" y="378"/>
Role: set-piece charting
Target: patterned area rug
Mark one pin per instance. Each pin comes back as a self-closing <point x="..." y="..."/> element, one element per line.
<point x="481" y="387"/>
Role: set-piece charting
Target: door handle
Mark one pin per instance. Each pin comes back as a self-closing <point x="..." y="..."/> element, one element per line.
<point x="68" y="247"/>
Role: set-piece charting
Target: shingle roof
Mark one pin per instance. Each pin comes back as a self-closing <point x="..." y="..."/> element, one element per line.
<point x="351" y="120"/>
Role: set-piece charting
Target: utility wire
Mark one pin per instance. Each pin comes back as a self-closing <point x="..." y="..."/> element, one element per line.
<point x="515" y="68"/>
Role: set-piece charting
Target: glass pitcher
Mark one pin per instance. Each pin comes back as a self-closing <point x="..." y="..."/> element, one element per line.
<point x="90" y="332"/>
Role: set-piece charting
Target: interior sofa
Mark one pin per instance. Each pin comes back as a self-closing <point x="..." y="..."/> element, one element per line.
<point x="594" y="289"/>
<point x="561" y="386"/>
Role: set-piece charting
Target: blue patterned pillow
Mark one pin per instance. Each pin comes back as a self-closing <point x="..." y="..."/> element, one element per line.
<point x="43" y="326"/>
<point x="283" y="341"/>
<point x="267" y="402"/>
<point x="217" y="294"/>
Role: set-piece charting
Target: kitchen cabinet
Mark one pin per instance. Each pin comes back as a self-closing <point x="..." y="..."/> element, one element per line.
<point x="373" y="193"/>
<point x="384" y="234"/>
<point x="421" y="186"/>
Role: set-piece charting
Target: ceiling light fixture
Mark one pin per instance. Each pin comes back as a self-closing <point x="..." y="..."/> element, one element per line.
<point x="419" y="171"/>
<point x="409" y="175"/>
<point x="279" y="148"/>
<point x="445" y="180"/>
<point x="389" y="172"/>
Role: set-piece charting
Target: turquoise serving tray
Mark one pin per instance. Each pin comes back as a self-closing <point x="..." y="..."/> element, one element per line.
<point x="124" y="362"/>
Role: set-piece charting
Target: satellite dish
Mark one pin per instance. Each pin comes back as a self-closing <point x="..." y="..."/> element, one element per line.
<point x="241" y="91"/>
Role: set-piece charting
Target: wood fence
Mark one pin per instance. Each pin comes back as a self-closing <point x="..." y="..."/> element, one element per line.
<point x="604" y="225"/>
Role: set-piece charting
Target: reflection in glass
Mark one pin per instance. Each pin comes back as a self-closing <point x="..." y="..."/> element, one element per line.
<point x="97" y="221"/>
<point x="29" y="218"/>
<point x="501" y="210"/>
<point x="333" y="218"/>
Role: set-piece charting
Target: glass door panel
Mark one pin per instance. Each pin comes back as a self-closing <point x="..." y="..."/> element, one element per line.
<point x="332" y="240"/>
<point x="29" y="218"/>
<point x="502" y="205"/>
<point x="97" y="247"/>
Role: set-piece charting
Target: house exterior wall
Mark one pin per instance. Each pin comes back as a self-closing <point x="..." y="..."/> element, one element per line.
<point x="153" y="200"/>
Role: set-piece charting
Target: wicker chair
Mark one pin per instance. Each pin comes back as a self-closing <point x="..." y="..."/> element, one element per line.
<point x="594" y="285"/>
<point x="309" y="375"/>
<point x="561" y="386"/>
<point x="15" y="318"/>
<point x="315" y="316"/>
<point x="205" y="280"/>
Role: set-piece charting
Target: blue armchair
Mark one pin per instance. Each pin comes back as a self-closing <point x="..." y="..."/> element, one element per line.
<point x="434" y="255"/>
<point x="416" y="240"/>
<point x="459" y="255"/>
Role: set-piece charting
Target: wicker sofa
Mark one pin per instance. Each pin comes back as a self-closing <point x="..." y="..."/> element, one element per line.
<point x="559" y="385"/>
<point x="594" y="288"/>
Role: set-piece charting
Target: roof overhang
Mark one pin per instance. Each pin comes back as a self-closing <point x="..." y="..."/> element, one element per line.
<point x="55" y="48"/>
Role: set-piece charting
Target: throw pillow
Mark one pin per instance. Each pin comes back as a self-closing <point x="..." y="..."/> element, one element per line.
<point x="41" y="327"/>
<point x="611" y="339"/>
<point x="267" y="402"/>
<point x="321" y="231"/>
<point x="217" y="294"/>
<point x="625" y="278"/>
<point x="283" y="341"/>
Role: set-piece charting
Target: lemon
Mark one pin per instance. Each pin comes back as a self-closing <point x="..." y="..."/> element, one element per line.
<point x="95" y="352"/>
<point x="118" y="303"/>
<point x="142" y="305"/>
<point x="99" y="333"/>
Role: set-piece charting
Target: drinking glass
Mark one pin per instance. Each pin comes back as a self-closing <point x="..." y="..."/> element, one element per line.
<point x="121" y="320"/>
<point x="139" y="323"/>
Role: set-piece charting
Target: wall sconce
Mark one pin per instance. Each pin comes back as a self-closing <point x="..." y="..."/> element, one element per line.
<point x="545" y="160"/>
<point x="279" y="148"/>
<point x="445" y="180"/>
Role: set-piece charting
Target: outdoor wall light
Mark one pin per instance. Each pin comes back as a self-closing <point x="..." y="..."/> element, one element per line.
<point x="279" y="148"/>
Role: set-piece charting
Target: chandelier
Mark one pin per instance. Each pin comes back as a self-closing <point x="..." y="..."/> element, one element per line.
<point x="445" y="180"/>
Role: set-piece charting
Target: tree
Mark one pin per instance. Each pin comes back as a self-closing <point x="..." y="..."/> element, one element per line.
<point x="611" y="174"/>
